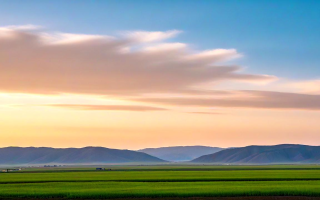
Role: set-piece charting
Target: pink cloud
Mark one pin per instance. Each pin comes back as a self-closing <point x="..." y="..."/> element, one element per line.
<point x="49" y="63"/>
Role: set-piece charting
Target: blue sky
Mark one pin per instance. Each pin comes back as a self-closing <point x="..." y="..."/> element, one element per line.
<point x="276" y="37"/>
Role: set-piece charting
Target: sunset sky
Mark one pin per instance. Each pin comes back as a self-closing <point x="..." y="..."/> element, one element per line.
<point x="138" y="74"/>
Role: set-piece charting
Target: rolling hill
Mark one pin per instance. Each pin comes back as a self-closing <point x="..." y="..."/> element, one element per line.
<point x="44" y="155"/>
<point x="180" y="153"/>
<point x="282" y="154"/>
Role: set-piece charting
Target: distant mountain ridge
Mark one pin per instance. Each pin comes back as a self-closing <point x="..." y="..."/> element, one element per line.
<point x="180" y="153"/>
<point x="45" y="155"/>
<point x="282" y="154"/>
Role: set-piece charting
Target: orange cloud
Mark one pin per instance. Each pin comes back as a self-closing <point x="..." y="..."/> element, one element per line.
<point x="107" y="107"/>
<point x="246" y="99"/>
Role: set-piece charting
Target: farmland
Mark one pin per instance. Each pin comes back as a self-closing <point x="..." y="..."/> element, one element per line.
<point x="162" y="181"/>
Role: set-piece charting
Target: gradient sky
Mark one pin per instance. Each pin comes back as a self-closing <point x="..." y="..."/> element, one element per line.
<point x="137" y="74"/>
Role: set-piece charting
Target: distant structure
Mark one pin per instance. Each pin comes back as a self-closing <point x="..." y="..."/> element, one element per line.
<point x="10" y="170"/>
<point x="52" y="165"/>
<point x="102" y="169"/>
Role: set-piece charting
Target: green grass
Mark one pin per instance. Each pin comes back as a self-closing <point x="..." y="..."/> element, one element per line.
<point x="162" y="176"/>
<point x="160" y="189"/>
<point x="163" y="181"/>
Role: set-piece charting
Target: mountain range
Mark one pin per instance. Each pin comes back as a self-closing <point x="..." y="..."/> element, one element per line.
<point x="281" y="154"/>
<point x="277" y="154"/>
<point x="180" y="153"/>
<point x="87" y="155"/>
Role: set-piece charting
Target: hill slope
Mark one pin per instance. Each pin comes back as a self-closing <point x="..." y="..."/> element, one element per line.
<point x="44" y="155"/>
<point x="180" y="153"/>
<point x="285" y="153"/>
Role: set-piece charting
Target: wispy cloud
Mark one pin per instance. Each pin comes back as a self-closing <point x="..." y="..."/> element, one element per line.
<point x="247" y="99"/>
<point x="145" y="36"/>
<point x="106" y="107"/>
<point x="85" y="64"/>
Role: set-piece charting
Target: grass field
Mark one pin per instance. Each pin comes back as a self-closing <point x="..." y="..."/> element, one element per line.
<point x="162" y="181"/>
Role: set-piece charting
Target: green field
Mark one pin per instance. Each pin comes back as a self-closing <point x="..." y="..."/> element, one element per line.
<point x="162" y="181"/>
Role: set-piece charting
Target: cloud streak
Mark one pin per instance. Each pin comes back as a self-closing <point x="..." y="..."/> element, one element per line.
<point x="247" y="99"/>
<point x="106" y="107"/>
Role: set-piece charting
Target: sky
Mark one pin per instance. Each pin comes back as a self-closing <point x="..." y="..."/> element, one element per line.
<point x="138" y="74"/>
